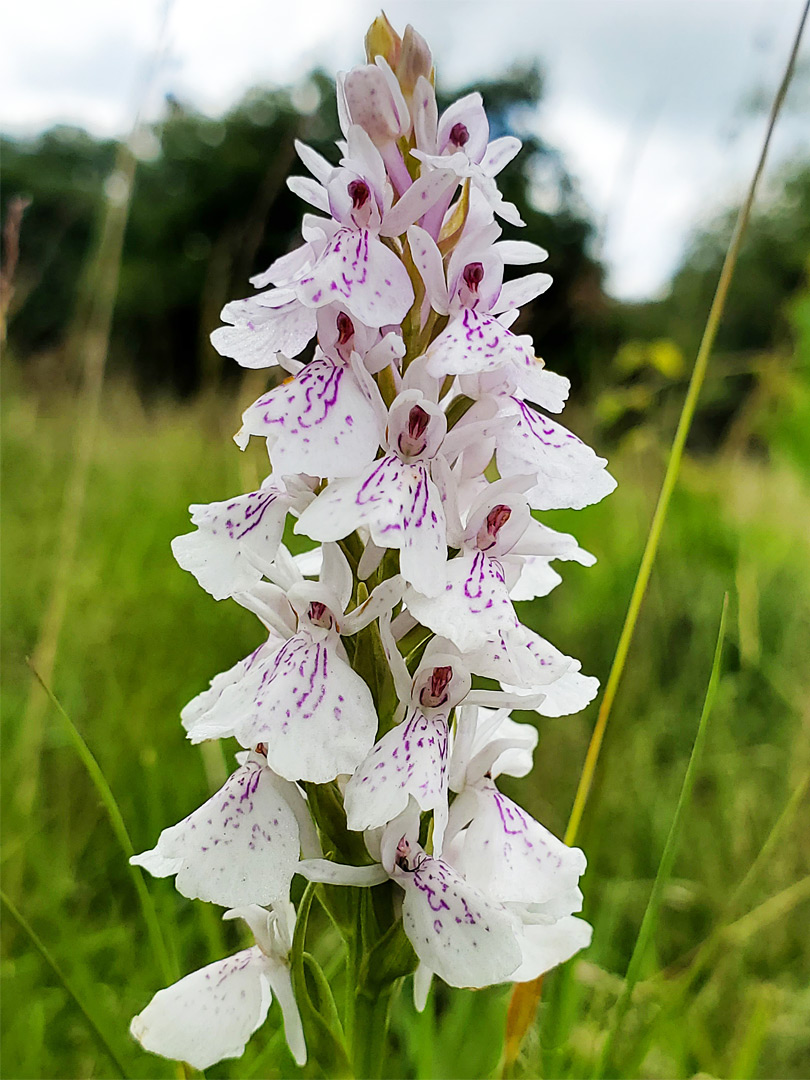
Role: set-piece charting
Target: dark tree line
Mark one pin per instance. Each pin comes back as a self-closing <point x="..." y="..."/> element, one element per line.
<point x="210" y="208"/>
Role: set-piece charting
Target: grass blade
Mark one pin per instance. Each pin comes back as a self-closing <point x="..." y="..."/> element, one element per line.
<point x="650" y="919"/>
<point x="43" y="951"/>
<point x="167" y="964"/>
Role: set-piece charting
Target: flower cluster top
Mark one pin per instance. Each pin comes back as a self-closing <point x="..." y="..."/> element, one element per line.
<point x="413" y="448"/>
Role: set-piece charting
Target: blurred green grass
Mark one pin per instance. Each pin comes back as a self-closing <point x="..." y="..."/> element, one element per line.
<point x="140" y="638"/>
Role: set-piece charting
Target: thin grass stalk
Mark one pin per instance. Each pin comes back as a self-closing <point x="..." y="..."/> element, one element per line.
<point x="683" y="972"/>
<point x="769" y="911"/>
<point x="649" y="921"/>
<point x="94" y="344"/>
<point x="774" y="836"/>
<point x="526" y="996"/>
<point x="70" y="990"/>
<point x="725" y="938"/>
<point x="167" y="964"/>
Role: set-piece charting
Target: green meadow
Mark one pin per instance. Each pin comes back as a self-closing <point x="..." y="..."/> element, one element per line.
<point x="724" y="984"/>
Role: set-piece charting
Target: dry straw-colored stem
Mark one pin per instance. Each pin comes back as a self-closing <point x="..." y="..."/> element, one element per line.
<point x="526" y="996"/>
<point x="89" y="343"/>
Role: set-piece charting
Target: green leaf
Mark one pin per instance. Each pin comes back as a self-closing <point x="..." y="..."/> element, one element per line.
<point x="390" y="959"/>
<point x="371" y="665"/>
<point x="326" y="804"/>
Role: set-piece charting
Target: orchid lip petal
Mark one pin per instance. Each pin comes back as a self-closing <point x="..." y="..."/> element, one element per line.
<point x="510" y="854"/>
<point x="315" y="714"/>
<point x="569" y="474"/>
<point x="359" y="271"/>
<point x="474" y="605"/>
<point x="402" y="507"/>
<point x="208" y="1015"/>
<point x="455" y="929"/>
<point x="240" y="847"/>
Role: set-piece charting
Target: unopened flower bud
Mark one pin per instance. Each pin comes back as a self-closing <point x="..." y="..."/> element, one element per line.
<point x="383" y="40"/>
<point x="375" y="102"/>
<point x="415" y="60"/>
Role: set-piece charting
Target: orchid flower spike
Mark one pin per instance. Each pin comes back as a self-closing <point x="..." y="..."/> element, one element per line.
<point x="409" y="440"/>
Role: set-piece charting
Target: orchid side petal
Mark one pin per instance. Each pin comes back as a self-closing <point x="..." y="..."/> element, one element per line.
<point x="428" y="260"/>
<point x="234" y="540"/>
<point x="429" y="190"/>
<point x="520" y="291"/>
<point x="409" y="760"/>
<point x="499" y="153"/>
<point x="320" y="168"/>
<point x="310" y="191"/>
<point x="278" y="976"/>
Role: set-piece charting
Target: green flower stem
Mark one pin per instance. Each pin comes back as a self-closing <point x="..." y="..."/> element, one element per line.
<point x="373" y="976"/>
<point x="371" y="1013"/>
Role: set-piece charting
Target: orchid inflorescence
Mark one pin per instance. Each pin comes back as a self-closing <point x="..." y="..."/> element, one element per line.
<point x="408" y="448"/>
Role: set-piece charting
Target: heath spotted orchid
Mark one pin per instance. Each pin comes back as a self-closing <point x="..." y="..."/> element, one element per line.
<point x="414" y="449"/>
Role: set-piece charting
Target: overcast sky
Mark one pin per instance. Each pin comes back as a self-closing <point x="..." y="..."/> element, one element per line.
<point x="649" y="100"/>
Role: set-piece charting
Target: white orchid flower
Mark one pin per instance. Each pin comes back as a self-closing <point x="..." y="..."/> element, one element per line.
<point x="395" y="497"/>
<point x="302" y="700"/>
<point x="210" y="1015"/>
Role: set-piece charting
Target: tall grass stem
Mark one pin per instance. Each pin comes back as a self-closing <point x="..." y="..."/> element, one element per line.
<point x="523" y="1012"/>
<point x="676" y="452"/>
<point x="89" y="343"/>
